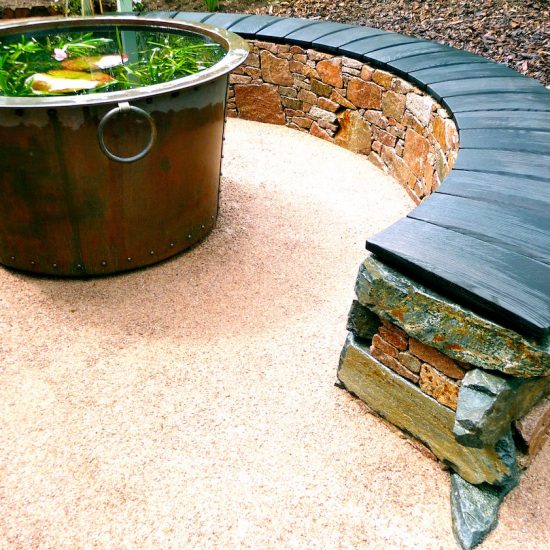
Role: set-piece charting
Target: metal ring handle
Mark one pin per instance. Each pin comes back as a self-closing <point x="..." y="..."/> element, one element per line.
<point x="125" y="107"/>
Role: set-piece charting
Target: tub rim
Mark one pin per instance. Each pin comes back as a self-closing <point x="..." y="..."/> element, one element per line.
<point x="236" y="52"/>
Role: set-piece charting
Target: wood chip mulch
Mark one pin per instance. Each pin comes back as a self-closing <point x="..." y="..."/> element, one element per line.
<point x="515" y="32"/>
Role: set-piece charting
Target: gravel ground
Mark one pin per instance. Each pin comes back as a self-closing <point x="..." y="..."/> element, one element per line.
<point x="192" y="405"/>
<point x="515" y="32"/>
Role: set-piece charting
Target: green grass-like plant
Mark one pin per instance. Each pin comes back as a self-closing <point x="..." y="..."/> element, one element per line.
<point x="212" y="5"/>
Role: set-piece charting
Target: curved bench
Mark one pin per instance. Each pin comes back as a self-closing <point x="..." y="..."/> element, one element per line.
<point x="483" y="237"/>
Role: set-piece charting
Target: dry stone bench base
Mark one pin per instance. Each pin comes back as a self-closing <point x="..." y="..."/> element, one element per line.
<point x="474" y="392"/>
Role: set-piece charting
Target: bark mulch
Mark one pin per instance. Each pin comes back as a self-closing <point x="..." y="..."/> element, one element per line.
<point x="515" y="32"/>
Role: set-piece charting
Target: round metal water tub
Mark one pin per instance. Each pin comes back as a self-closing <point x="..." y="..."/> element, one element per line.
<point x="107" y="182"/>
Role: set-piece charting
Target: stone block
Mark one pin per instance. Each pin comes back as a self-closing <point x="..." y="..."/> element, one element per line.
<point x="366" y="73"/>
<point x="440" y="361"/>
<point x="533" y="429"/>
<point x="397" y="167"/>
<point x="330" y="72"/>
<point x="421" y="107"/>
<point x="382" y="78"/>
<point x="322" y="114"/>
<point x="409" y="361"/>
<point x="275" y="70"/>
<point x="314" y="55"/>
<point x="380" y="344"/>
<point x="317" y="131"/>
<point x="365" y="94"/>
<point x="303" y="69"/>
<point x="393" y="364"/>
<point x="393" y="105"/>
<point x="259" y="102"/>
<point x="302" y="122"/>
<point x="406" y="406"/>
<point x="440" y="387"/>
<point x="306" y="95"/>
<point x="352" y="63"/>
<point x="416" y="152"/>
<point x="320" y="88"/>
<point x="327" y="104"/>
<point x="354" y="133"/>
<point x="341" y="100"/>
<point x="362" y="322"/>
<point x="292" y="103"/>
<point x="288" y="91"/>
<point x="239" y="79"/>
<point x="375" y="159"/>
<point x="489" y="403"/>
<point x="396" y="340"/>
<point x="438" y="322"/>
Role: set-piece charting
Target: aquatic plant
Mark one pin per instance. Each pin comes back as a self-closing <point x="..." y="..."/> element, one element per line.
<point x="31" y="65"/>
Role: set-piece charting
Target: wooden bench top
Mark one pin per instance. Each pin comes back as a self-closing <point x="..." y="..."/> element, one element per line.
<point x="483" y="238"/>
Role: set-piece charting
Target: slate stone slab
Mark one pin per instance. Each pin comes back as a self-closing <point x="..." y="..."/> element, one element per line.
<point x="200" y="17"/>
<point x="362" y="322"/>
<point x="158" y="14"/>
<point x="250" y="26"/>
<point x="507" y="225"/>
<point x="409" y="49"/>
<point x="403" y="404"/>
<point x="474" y="510"/>
<point x="305" y="37"/>
<point x="225" y="20"/>
<point x="526" y="101"/>
<point x="445" y="325"/>
<point x="473" y="86"/>
<point x="282" y="28"/>
<point x="333" y="41"/>
<point x="459" y="71"/>
<point x="488" y="404"/>
<point x="511" y="190"/>
<point x="524" y="120"/>
<point x="532" y="165"/>
<point x="530" y="141"/>
<point x="364" y="46"/>
<point x="429" y="60"/>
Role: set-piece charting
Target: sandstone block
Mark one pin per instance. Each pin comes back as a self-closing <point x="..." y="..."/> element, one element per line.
<point x="273" y="48"/>
<point x="394" y="365"/>
<point x="317" y="131"/>
<point x="239" y="79"/>
<point x="440" y="361"/>
<point x="320" y="88"/>
<point x="437" y="385"/>
<point x="409" y="361"/>
<point x="330" y="71"/>
<point x="297" y="50"/>
<point x="306" y="95"/>
<point x="396" y="340"/>
<point x="366" y="73"/>
<point x="341" y="100"/>
<point x="288" y="91"/>
<point x="303" y="69"/>
<point x="377" y="161"/>
<point x="318" y="56"/>
<point x="398" y="168"/>
<point x="381" y="345"/>
<point x="302" y="122"/>
<point x="420" y="106"/>
<point x="327" y="104"/>
<point x="534" y="428"/>
<point x="292" y="103"/>
<point x="253" y="60"/>
<point x="260" y="102"/>
<point x="365" y="94"/>
<point x="275" y="70"/>
<point x="376" y="118"/>
<point x="382" y="78"/>
<point x="322" y="114"/>
<point x="384" y="137"/>
<point x="404" y="405"/>
<point x="352" y="63"/>
<point x="416" y="152"/>
<point x="354" y="133"/>
<point x="393" y="105"/>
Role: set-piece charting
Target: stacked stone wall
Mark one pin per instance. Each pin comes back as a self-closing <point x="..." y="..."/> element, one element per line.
<point x="398" y="127"/>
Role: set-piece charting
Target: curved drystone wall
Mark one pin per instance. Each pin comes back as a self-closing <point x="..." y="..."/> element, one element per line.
<point x="401" y="129"/>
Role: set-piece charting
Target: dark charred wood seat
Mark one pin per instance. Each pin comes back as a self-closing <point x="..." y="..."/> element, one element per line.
<point x="483" y="238"/>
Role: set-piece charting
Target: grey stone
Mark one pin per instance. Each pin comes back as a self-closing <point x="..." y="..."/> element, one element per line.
<point x="488" y="404"/>
<point x="456" y="331"/>
<point x="321" y="114"/>
<point x="362" y="322"/>
<point x="474" y="510"/>
<point x="403" y="404"/>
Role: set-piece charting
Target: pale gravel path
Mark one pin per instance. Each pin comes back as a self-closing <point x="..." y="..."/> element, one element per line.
<point x="192" y="404"/>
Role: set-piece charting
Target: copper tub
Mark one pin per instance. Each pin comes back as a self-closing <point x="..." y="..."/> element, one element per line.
<point x="108" y="182"/>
